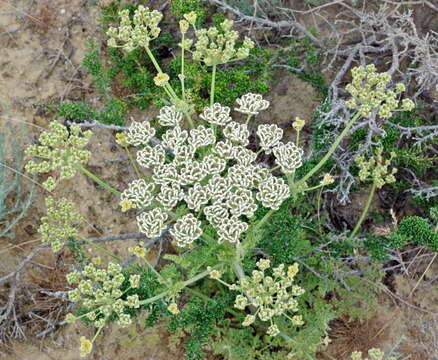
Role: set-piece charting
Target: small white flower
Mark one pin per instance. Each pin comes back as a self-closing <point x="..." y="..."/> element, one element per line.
<point x="249" y="319"/>
<point x="139" y="192"/>
<point x="139" y="133"/>
<point x="213" y="164"/>
<point x="201" y="136"/>
<point x="243" y="155"/>
<point x="270" y="136"/>
<point x="237" y="133"/>
<point x="170" y="195"/>
<point x="216" y="114"/>
<point x="196" y="197"/>
<point x="186" y="230"/>
<point x="288" y="156"/>
<point x="164" y="174"/>
<point x="273" y="330"/>
<point x="231" y="230"/>
<point x="151" y="157"/>
<point x="216" y="214"/>
<point x="273" y="192"/>
<point x="184" y="154"/>
<point x="151" y="223"/>
<point x="194" y="171"/>
<point x="224" y="149"/>
<point x="241" y="202"/>
<point x="241" y="176"/>
<point x="251" y="104"/>
<point x="218" y="187"/>
<point x="241" y="302"/>
<point x="169" y="116"/>
<point x="175" y="137"/>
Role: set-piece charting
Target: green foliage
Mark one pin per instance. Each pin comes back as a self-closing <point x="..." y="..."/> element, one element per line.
<point x="181" y="7"/>
<point x="14" y="202"/>
<point x="199" y="318"/>
<point x="415" y="157"/>
<point x="77" y="251"/>
<point x="113" y="110"/>
<point x="251" y="75"/>
<point x="304" y="60"/>
<point x="417" y="230"/>
<point x="79" y="111"/>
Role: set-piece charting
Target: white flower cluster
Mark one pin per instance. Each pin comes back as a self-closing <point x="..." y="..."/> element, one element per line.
<point x="60" y="150"/>
<point x="99" y="290"/>
<point x="60" y="223"/>
<point x="369" y="93"/>
<point x="218" y="46"/>
<point x="217" y="180"/>
<point x="271" y="295"/>
<point x="376" y="169"/>
<point x="138" y="32"/>
<point x="373" y="354"/>
<point x="251" y="104"/>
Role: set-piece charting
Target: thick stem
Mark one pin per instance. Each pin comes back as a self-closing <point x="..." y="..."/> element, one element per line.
<point x="98" y="180"/>
<point x="182" y="70"/>
<point x="262" y="221"/>
<point x="158" y="68"/>
<point x="213" y="82"/>
<point x="331" y="150"/>
<point x="184" y="284"/>
<point x="364" y="212"/>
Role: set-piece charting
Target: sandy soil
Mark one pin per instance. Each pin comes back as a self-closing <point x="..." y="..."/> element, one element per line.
<point x="43" y="43"/>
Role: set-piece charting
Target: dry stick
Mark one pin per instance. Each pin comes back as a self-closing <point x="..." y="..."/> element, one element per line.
<point x="312" y="9"/>
<point x="384" y="288"/>
<point x="283" y="24"/>
<point x="424" y="273"/>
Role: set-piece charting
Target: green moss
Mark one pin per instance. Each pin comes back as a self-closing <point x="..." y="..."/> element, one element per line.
<point x="181" y="7"/>
<point x="79" y="111"/>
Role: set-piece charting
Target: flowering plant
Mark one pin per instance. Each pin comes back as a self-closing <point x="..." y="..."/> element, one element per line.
<point x="201" y="181"/>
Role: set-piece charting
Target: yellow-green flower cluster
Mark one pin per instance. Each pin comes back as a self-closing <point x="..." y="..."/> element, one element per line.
<point x="61" y="150"/>
<point x="136" y="32"/>
<point x="376" y="169"/>
<point x="218" y="179"/>
<point x="60" y="223"/>
<point x="370" y="93"/>
<point x="373" y="354"/>
<point x="271" y="296"/>
<point x="218" y="46"/>
<point x="99" y="290"/>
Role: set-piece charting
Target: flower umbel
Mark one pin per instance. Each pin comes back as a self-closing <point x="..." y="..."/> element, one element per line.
<point x="270" y="296"/>
<point x="60" y="150"/>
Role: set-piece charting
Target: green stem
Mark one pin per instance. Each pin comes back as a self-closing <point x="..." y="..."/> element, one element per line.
<point x="154" y="61"/>
<point x="158" y="68"/>
<point x="331" y="150"/>
<point x="184" y="284"/>
<point x="134" y="165"/>
<point x="364" y="212"/>
<point x="290" y="180"/>
<point x="182" y="69"/>
<point x="97" y="334"/>
<point x="101" y="248"/>
<point x="263" y="220"/>
<point x="98" y="180"/>
<point x="213" y="81"/>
